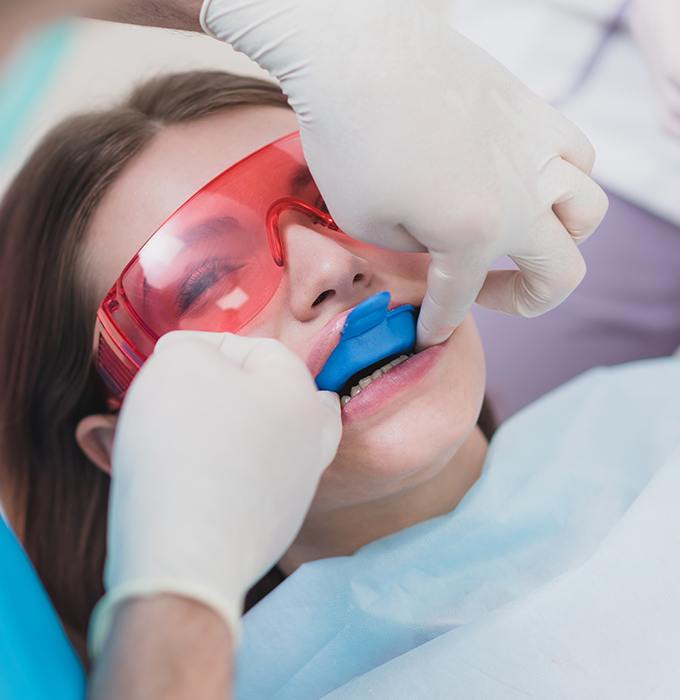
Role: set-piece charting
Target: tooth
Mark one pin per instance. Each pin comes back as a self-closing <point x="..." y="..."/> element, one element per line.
<point x="377" y="374"/>
<point x="345" y="400"/>
<point x="355" y="390"/>
<point x="363" y="383"/>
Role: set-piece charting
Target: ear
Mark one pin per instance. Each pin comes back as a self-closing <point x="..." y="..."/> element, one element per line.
<point x="94" y="435"/>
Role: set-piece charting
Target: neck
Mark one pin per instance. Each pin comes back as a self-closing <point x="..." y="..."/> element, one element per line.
<point x="344" y="530"/>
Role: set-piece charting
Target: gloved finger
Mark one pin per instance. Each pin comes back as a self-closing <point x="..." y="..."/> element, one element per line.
<point x="451" y="291"/>
<point x="174" y="337"/>
<point x="233" y="352"/>
<point x="261" y="355"/>
<point x="573" y="145"/>
<point x="391" y="237"/>
<point x="578" y="201"/>
<point x="245" y="352"/>
<point x="542" y="282"/>
<point x="331" y="425"/>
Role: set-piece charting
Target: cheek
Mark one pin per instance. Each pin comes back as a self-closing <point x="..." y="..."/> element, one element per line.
<point x="274" y="320"/>
<point x="277" y="321"/>
<point x="414" y="442"/>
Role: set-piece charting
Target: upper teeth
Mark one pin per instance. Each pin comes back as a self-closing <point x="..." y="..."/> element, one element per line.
<point x="363" y="383"/>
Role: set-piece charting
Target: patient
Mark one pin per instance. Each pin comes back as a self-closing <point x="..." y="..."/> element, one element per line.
<point x="93" y="192"/>
<point x="546" y="526"/>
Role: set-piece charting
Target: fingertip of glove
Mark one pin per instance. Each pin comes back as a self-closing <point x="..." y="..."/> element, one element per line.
<point x="330" y="399"/>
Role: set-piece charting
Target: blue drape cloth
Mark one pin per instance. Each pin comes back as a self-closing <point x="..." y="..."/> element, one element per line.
<point x="557" y="576"/>
<point x="36" y="658"/>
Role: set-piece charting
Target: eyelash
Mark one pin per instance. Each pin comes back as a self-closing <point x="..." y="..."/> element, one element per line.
<point x="203" y="278"/>
<point x="211" y="271"/>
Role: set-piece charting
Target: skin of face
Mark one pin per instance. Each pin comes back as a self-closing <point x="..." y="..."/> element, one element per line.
<point x="393" y="451"/>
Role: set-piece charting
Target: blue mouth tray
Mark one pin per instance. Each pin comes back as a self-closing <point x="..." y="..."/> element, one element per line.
<point x="371" y="333"/>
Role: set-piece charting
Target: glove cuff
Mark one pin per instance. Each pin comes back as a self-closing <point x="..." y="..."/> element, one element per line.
<point x="203" y="19"/>
<point x="273" y="33"/>
<point x="105" y="610"/>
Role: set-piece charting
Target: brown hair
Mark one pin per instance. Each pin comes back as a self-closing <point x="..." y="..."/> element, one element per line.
<point x="47" y="383"/>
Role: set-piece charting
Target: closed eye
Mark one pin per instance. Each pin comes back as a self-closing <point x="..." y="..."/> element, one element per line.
<point x="202" y="279"/>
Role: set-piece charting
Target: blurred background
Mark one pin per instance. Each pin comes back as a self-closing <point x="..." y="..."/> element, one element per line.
<point x="90" y="64"/>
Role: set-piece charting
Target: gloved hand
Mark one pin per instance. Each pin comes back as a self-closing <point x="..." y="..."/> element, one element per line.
<point x="656" y="26"/>
<point x="218" y="451"/>
<point x="419" y="140"/>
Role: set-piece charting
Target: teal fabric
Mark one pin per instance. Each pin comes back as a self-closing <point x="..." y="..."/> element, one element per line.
<point x="36" y="658"/>
<point x="24" y="81"/>
<point x="540" y="584"/>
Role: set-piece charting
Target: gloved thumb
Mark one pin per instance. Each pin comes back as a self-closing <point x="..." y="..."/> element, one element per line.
<point x="331" y="424"/>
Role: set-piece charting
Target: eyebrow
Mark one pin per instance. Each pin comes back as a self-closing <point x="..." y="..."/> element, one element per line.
<point x="211" y="227"/>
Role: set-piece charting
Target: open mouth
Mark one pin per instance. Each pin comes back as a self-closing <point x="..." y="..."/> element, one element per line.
<point x="374" y="340"/>
<point x="359" y="381"/>
<point x="363" y="378"/>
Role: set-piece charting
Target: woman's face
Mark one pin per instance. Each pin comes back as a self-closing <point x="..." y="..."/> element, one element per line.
<point x="392" y="440"/>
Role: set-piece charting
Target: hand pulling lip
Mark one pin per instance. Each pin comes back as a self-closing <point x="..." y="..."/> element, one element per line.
<point x="329" y="337"/>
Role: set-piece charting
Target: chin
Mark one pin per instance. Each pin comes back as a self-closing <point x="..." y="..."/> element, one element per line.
<point x="408" y="431"/>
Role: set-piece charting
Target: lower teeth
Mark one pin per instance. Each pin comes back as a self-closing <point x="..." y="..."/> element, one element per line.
<point x="363" y="383"/>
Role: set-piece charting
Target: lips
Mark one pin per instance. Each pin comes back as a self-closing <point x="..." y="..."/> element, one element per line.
<point x="356" y="341"/>
<point x="393" y="386"/>
<point x="329" y="337"/>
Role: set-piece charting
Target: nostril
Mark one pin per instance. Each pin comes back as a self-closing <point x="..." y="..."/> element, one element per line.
<point x="323" y="296"/>
<point x="358" y="278"/>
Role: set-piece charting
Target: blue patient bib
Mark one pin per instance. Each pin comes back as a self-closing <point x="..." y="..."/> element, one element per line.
<point x="37" y="662"/>
<point x="557" y="576"/>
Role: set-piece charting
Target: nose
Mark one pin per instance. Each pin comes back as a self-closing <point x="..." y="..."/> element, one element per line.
<point x="323" y="274"/>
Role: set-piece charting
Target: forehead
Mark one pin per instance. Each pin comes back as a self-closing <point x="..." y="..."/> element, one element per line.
<point x="178" y="162"/>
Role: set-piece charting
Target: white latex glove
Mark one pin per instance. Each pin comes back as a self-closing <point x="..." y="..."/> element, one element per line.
<point x="218" y="452"/>
<point x="656" y="26"/>
<point x="419" y="140"/>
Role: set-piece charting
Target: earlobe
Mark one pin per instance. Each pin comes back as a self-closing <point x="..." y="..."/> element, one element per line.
<point x="94" y="435"/>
